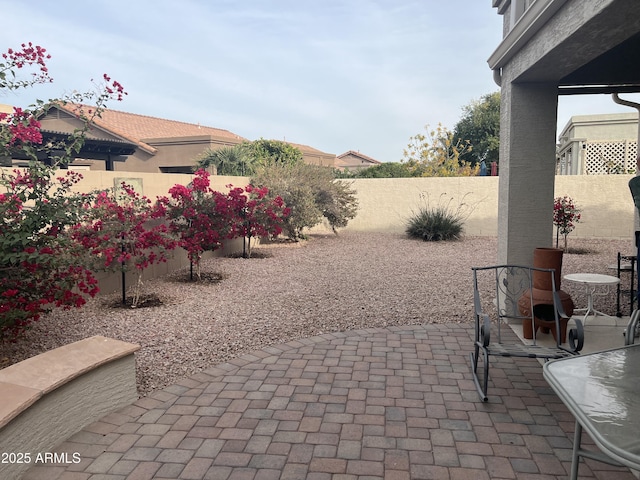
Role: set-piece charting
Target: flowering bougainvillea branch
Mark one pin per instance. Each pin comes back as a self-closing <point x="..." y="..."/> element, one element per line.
<point x="41" y="266"/>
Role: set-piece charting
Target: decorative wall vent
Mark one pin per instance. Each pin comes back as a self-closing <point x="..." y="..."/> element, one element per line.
<point x="607" y="158"/>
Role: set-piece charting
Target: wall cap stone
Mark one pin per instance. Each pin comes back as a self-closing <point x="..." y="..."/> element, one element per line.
<point x="25" y="382"/>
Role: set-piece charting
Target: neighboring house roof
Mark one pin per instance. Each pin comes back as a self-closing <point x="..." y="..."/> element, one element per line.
<point x="304" y="148"/>
<point x="174" y="144"/>
<point x="138" y="128"/>
<point x="353" y="159"/>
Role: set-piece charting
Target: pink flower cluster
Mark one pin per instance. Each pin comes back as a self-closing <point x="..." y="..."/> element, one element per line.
<point x="118" y="229"/>
<point x="113" y="88"/>
<point x="27" y="55"/>
<point x="22" y="127"/>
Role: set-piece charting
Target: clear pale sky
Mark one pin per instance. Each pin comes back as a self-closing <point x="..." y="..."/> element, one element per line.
<point x="337" y="75"/>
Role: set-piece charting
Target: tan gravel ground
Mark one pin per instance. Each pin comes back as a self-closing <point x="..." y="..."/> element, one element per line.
<point x="289" y="291"/>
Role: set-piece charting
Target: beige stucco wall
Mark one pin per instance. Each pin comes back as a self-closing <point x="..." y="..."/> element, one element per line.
<point x="152" y="184"/>
<point x="386" y="203"/>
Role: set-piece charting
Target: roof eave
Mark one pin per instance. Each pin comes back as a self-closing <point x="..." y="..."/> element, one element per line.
<point x="533" y="19"/>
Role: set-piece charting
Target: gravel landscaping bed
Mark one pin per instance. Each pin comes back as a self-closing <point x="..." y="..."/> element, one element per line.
<point x="289" y="291"/>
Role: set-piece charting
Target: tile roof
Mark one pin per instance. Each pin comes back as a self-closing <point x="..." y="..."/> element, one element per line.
<point x="138" y="128"/>
<point x="305" y="148"/>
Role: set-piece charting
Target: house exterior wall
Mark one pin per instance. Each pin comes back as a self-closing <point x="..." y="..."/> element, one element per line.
<point x="172" y="153"/>
<point x="354" y="163"/>
<point x="611" y="126"/>
<point x="318" y="158"/>
<point x="598" y="144"/>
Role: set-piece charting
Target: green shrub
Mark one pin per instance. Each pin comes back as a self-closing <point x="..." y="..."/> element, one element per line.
<point x="311" y="193"/>
<point x="243" y="159"/>
<point x="440" y="222"/>
<point x="228" y="160"/>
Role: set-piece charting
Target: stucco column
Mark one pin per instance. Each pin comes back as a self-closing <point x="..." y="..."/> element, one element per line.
<point x="527" y="170"/>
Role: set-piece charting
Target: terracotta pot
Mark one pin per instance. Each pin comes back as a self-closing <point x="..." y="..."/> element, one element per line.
<point x="547" y="258"/>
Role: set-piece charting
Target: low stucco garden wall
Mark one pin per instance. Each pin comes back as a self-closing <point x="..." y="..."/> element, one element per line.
<point x="51" y="396"/>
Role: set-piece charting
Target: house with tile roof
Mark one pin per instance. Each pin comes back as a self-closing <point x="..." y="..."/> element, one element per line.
<point x="160" y="145"/>
<point x="354" y="161"/>
<point x="123" y="141"/>
<point x="313" y="156"/>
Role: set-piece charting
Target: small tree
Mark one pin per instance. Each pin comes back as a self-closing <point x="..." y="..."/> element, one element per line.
<point x="266" y="153"/>
<point x="311" y="193"/>
<point x="437" y="153"/>
<point x="199" y="216"/>
<point x="565" y="217"/>
<point x="289" y="183"/>
<point x="480" y="126"/>
<point x="336" y="199"/>
<point x="228" y="160"/>
<point x="123" y="232"/>
<point x="255" y="214"/>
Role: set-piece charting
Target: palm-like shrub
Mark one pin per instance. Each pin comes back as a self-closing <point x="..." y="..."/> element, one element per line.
<point x="234" y="160"/>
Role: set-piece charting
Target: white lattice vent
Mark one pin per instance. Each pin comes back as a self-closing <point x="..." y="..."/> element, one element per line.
<point x="607" y="158"/>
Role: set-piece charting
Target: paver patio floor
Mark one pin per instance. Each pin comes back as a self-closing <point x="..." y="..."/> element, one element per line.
<point x="395" y="404"/>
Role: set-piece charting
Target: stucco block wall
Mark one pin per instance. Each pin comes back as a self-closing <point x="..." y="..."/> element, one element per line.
<point x="49" y="397"/>
<point x="387" y="203"/>
<point x="606" y="204"/>
<point x="152" y="184"/>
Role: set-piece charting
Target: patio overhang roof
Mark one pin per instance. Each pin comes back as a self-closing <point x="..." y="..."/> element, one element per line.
<point x="93" y="148"/>
<point x="616" y="71"/>
<point x="578" y="65"/>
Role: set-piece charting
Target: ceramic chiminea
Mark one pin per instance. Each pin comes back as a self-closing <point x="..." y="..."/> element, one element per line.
<point x="543" y="296"/>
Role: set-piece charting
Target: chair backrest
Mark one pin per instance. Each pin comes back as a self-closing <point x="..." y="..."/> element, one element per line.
<point x="506" y="293"/>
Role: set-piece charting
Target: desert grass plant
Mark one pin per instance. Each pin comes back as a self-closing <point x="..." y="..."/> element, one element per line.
<point x="441" y="222"/>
